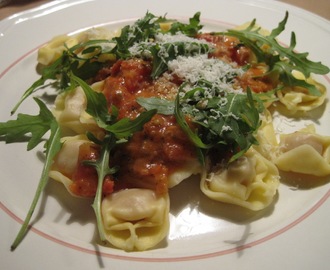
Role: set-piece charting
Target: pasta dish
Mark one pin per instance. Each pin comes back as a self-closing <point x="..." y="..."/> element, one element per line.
<point x="159" y="102"/>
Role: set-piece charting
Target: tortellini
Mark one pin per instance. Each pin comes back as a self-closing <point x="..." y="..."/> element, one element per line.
<point x="65" y="162"/>
<point x="135" y="219"/>
<point x="297" y="99"/>
<point x="304" y="152"/>
<point x="192" y="168"/>
<point x="54" y="49"/>
<point x="251" y="182"/>
<point x="70" y="111"/>
<point x="266" y="137"/>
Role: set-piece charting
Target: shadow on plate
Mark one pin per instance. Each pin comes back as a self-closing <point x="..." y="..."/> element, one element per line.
<point x="188" y="193"/>
<point x="79" y="209"/>
<point x="313" y="115"/>
<point x="302" y="181"/>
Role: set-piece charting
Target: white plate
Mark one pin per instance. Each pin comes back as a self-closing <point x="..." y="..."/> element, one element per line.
<point x="293" y="234"/>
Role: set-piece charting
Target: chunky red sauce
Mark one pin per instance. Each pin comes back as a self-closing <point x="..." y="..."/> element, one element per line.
<point x="85" y="177"/>
<point x="230" y="50"/>
<point x="128" y="78"/>
<point x="152" y="154"/>
<point x="254" y="79"/>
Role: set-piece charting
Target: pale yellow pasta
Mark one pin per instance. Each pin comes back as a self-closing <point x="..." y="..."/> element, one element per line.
<point x="261" y="30"/>
<point x="54" y="49"/>
<point x="65" y="162"/>
<point x="250" y="182"/>
<point x="192" y="168"/>
<point x="135" y="219"/>
<point x="304" y="152"/>
<point x="266" y="137"/>
<point x="297" y="99"/>
<point x="70" y="111"/>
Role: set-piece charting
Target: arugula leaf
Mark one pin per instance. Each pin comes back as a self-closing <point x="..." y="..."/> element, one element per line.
<point x="85" y="59"/>
<point x="49" y="72"/>
<point x="125" y="127"/>
<point x="281" y="60"/>
<point x="164" y="53"/>
<point x="180" y="118"/>
<point x="36" y="126"/>
<point x="163" y="106"/>
<point x="192" y="134"/>
<point x="118" y="131"/>
<point x="96" y="102"/>
<point x="224" y="119"/>
<point x="81" y="60"/>
<point x="53" y="147"/>
<point x="102" y="169"/>
<point x="142" y="30"/>
<point x="143" y="33"/>
<point x="190" y="29"/>
<point x="98" y="108"/>
<point x="145" y="29"/>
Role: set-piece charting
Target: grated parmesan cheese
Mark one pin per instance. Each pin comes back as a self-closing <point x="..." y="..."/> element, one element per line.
<point x="195" y="68"/>
<point x="142" y="48"/>
<point x="179" y="37"/>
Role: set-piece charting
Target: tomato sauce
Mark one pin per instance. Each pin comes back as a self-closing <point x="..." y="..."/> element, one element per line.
<point x="153" y="153"/>
<point x="254" y="79"/>
<point x="161" y="147"/>
<point x="230" y="50"/>
<point x="227" y="48"/>
<point x="85" y="178"/>
<point x="128" y="79"/>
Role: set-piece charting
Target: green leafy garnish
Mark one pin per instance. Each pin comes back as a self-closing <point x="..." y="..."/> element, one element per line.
<point x="191" y="29"/>
<point x="36" y="125"/>
<point x="282" y="61"/>
<point x="164" y="53"/>
<point x="34" y="128"/>
<point x="118" y="131"/>
<point x="229" y="119"/>
<point x="102" y="168"/>
<point x="80" y="60"/>
<point x="83" y="59"/>
<point x="143" y="33"/>
<point x="223" y="119"/>
<point x="145" y="30"/>
<point x="163" y="106"/>
<point x="142" y="30"/>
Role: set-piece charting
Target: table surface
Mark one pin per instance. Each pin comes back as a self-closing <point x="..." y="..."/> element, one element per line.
<point x="319" y="7"/>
